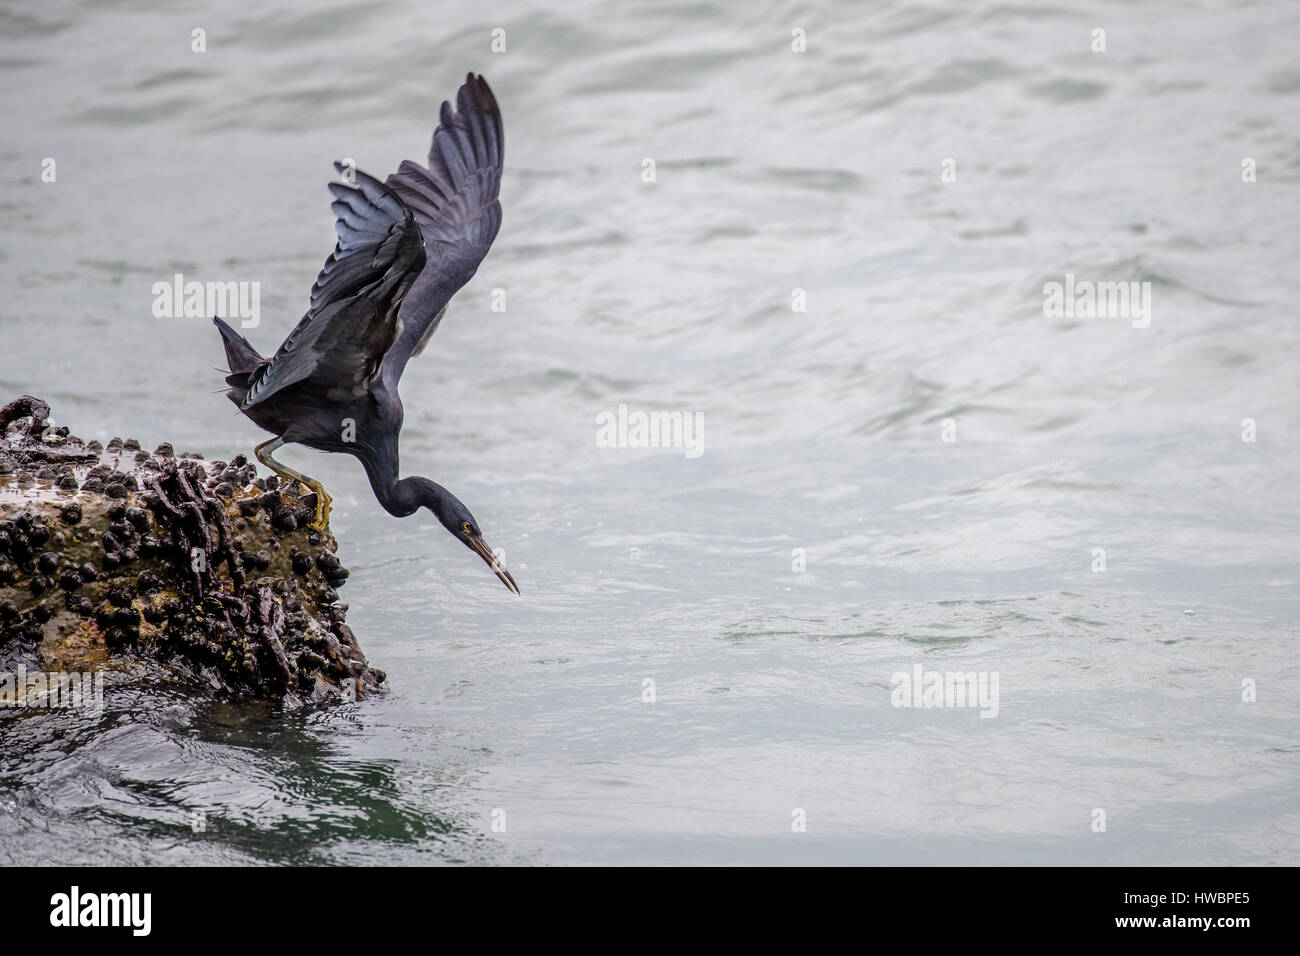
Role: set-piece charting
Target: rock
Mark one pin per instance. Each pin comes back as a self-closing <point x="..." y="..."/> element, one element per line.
<point x="141" y="567"/>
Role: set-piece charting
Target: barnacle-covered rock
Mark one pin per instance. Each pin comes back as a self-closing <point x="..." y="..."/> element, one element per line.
<point x="111" y="556"/>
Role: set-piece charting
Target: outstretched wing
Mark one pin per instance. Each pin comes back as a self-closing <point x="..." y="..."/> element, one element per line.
<point x="353" y="318"/>
<point x="405" y="246"/>
<point x="455" y="204"/>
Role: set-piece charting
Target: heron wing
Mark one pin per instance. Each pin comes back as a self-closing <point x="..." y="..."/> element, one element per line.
<point x="455" y="203"/>
<point x="353" y="317"/>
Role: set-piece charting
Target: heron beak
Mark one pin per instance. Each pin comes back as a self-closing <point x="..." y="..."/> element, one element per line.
<point x="480" y="547"/>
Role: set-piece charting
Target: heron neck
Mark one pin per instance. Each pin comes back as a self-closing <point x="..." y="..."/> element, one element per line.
<point x="399" y="496"/>
<point x="403" y="496"/>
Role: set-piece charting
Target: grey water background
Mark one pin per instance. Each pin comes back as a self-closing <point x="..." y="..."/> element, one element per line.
<point x="775" y="171"/>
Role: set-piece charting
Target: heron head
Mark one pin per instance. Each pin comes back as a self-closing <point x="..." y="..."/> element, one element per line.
<point x="455" y="517"/>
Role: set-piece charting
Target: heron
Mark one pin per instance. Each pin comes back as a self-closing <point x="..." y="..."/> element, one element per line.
<point x="405" y="246"/>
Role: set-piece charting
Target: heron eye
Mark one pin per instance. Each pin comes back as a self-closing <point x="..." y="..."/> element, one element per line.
<point x="468" y="529"/>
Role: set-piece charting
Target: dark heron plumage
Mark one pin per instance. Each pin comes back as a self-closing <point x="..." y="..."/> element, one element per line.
<point x="405" y="246"/>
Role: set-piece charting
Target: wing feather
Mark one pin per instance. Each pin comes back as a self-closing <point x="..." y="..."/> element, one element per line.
<point x="455" y="202"/>
<point x="352" y="320"/>
<point x="405" y="246"/>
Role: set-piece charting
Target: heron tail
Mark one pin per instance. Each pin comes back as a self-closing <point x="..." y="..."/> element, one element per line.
<point x="240" y="355"/>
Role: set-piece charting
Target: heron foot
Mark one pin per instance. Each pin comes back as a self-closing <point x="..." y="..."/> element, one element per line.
<point x="263" y="453"/>
<point x="323" y="502"/>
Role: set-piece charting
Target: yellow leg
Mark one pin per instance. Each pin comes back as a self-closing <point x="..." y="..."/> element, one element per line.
<point x="263" y="453"/>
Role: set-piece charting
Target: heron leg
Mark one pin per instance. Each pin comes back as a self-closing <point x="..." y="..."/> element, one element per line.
<point x="263" y="453"/>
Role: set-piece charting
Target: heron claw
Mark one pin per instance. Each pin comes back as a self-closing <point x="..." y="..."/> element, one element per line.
<point x="323" y="501"/>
